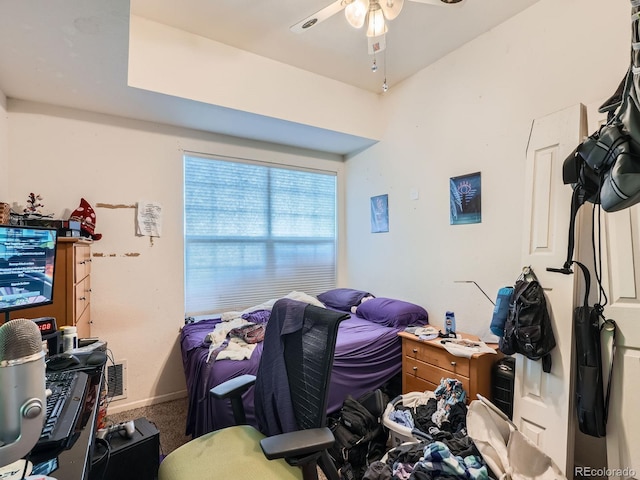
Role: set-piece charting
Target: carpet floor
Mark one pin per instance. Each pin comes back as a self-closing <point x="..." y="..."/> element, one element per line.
<point x="170" y="418"/>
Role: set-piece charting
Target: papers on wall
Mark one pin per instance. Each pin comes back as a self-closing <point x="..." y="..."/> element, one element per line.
<point x="149" y="219"/>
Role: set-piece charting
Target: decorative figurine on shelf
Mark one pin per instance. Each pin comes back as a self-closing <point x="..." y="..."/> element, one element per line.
<point x="86" y="215"/>
<point x="33" y="204"/>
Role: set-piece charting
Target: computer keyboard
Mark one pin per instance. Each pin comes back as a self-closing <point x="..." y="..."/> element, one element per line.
<point x="68" y="390"/>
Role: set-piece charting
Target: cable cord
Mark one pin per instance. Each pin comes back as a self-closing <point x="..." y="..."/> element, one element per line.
<point x="105" y="457"/>
<point x="597" y="253"/>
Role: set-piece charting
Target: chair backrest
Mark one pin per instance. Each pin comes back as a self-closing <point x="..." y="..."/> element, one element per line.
<point x="295" y="369"/>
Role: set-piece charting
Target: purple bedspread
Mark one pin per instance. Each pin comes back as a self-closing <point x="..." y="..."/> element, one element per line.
<point x="367" y="356"/>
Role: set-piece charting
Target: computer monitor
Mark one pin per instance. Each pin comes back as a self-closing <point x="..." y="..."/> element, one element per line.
<point x="27" y="263"/>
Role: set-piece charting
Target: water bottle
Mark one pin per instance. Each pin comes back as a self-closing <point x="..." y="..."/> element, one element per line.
<point x="450" y="323"/>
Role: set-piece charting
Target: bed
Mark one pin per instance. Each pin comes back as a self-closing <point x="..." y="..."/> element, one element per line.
<point x="368" y="355"/>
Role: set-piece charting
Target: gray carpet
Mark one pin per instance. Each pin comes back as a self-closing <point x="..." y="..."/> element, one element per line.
<point x="170" y="418"/>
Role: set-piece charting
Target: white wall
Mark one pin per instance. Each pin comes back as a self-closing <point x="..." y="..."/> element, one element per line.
<point x="137" y="295"/>
<point x="470" y="112"/>
<point x="175" y="62"/>
<point x="4" y="148"/>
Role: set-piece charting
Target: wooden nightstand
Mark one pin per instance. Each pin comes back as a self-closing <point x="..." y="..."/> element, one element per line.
<point x="425" y="363"/>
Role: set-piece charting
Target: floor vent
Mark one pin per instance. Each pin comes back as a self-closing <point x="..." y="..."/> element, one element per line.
<point x="116" y="381"/>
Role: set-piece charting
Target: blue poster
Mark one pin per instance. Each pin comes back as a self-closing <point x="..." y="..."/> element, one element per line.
<point x="380" y="214"/>
<point x="465" y="206"/>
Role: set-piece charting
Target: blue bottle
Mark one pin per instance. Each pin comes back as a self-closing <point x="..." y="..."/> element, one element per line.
<point x="450" y="322"/>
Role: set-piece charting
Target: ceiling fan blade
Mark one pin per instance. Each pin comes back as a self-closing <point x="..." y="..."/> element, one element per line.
<point x="319" y="16"/>
<point x="443" y="3"/>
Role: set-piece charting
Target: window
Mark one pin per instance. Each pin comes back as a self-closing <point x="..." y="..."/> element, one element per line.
<point x="254" y="232"/>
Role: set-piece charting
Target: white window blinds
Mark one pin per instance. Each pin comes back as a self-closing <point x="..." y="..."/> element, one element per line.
<point x="254" y="232"/>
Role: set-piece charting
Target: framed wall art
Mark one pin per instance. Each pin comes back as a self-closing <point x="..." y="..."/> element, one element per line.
<point x="380" y="214"/>
<point x="465" y="199"/>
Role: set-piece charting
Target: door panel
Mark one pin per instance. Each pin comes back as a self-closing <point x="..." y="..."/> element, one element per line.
<point x="542" y="400"/>
<point x="621" y="266"/>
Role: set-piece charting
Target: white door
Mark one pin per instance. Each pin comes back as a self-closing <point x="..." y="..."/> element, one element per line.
<point x="542" y="401"/>
<point x="621" y="280"/>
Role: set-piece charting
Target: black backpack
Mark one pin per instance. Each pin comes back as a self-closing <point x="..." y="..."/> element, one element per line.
<point x="528" y="329"/>
<point x="361" y="438"/>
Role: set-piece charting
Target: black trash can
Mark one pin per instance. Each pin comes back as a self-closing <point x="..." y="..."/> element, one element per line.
<point x="503" y="375"/>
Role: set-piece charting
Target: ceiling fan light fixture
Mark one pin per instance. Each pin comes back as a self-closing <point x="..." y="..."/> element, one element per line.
<point x="391" y="8"/>
<point x="356" y="12"/>
<point x="376" y="25"/>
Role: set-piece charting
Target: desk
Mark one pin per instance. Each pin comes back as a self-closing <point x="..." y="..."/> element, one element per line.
<point x="74" y="462"/>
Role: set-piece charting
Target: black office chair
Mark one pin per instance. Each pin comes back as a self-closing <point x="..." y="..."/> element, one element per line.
<point x="290" y="396"/>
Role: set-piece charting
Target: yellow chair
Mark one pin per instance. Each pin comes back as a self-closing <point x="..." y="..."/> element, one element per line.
<point x="290" y="398"/>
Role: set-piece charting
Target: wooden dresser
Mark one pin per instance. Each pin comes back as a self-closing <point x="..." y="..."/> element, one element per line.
<point x="425" y="363"/>
<point x="71" y="288"/>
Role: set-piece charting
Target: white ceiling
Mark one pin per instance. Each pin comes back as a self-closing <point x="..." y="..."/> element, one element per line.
<point x="74" y="53"/>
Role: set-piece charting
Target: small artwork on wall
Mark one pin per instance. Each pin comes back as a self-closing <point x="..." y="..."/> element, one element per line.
<point x="465" y="206"/>
<point x="380" y="214"/>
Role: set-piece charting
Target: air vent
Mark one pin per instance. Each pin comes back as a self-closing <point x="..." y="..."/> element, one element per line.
<point x="116" y="381"/>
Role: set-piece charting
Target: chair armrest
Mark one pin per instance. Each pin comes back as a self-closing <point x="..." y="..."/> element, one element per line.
<point x="298" y="443"/>
<point x="233" y="386"/>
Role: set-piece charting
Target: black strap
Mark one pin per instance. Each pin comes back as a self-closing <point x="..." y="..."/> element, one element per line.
<point x="546" y="363"/>
<point x="587" y="282"/>
<point x="576" y="203"/>
<point x="577" y="199"/>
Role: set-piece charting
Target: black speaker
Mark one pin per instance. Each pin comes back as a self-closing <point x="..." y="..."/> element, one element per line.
<point x="502" y="381"/>
<point x="136" y="458"/>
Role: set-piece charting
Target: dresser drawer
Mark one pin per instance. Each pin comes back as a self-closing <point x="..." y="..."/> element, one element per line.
<point x="82" y="296"/>
<point x="83" y="323"/>
<point x="82" y="262"/>
<point x="415" y="384"/>
<point x="430" y="373"/>
<point x="434" y="355"/>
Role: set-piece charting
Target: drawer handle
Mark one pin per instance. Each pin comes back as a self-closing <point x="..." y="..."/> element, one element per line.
<point x="453" y="364"/>
<point x="82" y="298"/>
<point x="415" y="369"/>
<point x="415" y="350"/>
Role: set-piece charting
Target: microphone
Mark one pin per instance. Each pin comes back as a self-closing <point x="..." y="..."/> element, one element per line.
<point x="22" y="389"/>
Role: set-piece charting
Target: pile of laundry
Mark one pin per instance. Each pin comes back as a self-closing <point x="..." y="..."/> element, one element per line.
<point x="442" y="450"/>
<point x="236" y="335"/>
<point x="427" y="461"/>
<point x="446" y="411"/>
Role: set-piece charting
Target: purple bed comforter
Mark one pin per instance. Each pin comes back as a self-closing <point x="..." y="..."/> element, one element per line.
<point x="367" y="356"/>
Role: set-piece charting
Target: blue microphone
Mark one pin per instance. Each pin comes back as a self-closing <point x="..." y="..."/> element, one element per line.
<point x="22" y="389"/>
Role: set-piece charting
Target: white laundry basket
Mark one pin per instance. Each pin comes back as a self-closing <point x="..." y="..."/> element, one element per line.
<point x="399" y="434"/>
<point x="508" y="453"/>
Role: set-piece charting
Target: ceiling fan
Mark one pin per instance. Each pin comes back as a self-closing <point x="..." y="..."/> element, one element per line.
<point x="370" y="12"/>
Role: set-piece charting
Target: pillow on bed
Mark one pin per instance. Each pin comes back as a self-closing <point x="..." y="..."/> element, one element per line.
<point x="343" y="298"/>
<point x="392" y="313"/>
